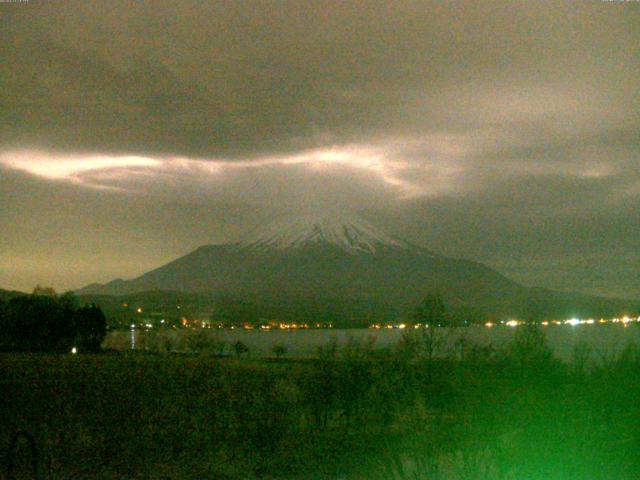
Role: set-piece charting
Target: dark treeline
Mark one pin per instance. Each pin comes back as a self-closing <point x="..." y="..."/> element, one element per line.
<point x="46" y="322"/>
<point x="237" y="310"/>
<point x="341" y="312"/>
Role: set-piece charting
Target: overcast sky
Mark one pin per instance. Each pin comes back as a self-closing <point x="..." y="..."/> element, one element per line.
<point x="505" y="132"/>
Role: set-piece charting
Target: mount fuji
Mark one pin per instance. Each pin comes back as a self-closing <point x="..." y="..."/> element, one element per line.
<point x="351" y="234"/>
<point x="344" y="263"/>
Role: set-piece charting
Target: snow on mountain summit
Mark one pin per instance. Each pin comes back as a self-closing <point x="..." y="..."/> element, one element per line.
<point x="350" y="233"/>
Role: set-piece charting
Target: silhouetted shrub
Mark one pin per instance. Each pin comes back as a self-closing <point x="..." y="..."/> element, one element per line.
<point x="529" y="346"/>
<point x="240" y="348"/>
<point x="47" y="323"/>
<point x="279" y="350"/>
<point x="91" y="328"/>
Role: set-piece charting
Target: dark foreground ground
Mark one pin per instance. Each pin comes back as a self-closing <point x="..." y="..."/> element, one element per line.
<point x="354" y="413"/>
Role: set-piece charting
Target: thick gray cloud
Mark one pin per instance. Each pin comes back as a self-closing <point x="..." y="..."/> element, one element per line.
<point x="507" y="132"/>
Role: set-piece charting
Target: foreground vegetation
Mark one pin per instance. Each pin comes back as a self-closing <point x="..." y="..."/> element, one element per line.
<point x="46" y="322"/>
<point x="352" y="412"/>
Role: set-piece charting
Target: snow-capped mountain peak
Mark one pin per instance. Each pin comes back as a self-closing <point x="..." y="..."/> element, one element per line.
<point x="350" y="233"/>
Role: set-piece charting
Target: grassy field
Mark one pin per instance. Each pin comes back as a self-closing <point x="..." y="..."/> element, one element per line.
<point x="352" y="412"/>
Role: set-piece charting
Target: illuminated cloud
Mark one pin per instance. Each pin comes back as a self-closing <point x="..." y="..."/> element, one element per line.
<point x="100" y="171"/>
<point x="74" y="168"/>
<point x="490" y="130"/>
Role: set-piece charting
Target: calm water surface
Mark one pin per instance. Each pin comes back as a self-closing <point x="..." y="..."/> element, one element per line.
<point x="601" y="341"/>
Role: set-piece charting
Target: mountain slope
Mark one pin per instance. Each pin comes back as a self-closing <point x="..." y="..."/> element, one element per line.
<point x="345" y="259"/>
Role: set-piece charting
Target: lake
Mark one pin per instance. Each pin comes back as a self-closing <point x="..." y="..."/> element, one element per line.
<point x="601" y="341"/>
